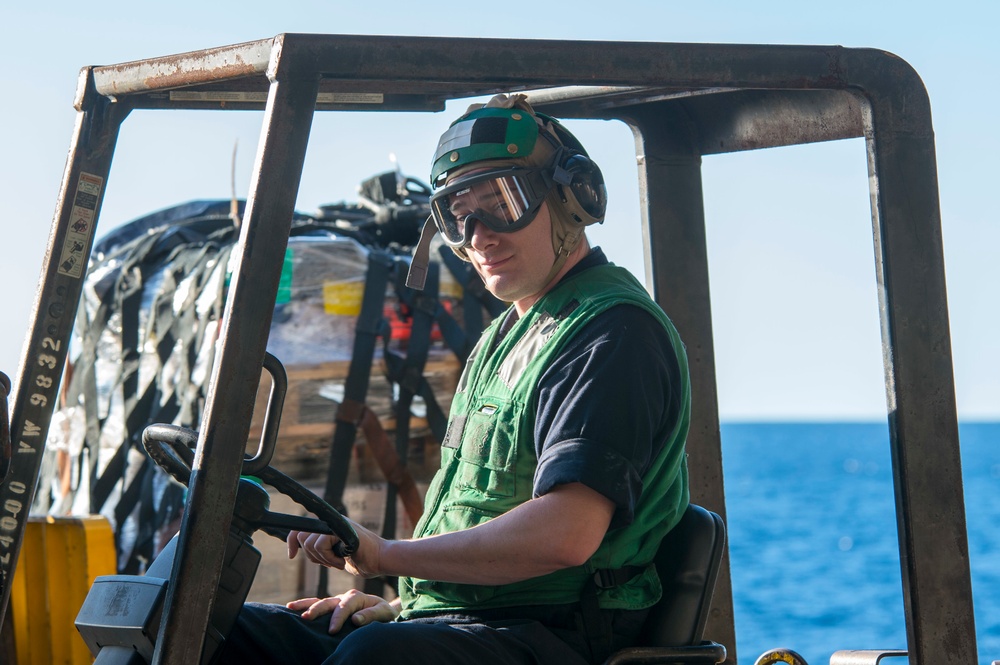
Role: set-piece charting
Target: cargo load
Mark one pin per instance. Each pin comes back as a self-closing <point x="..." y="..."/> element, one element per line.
<point x="345" y="327"/>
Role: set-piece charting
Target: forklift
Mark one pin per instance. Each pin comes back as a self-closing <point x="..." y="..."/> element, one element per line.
<point x="682" y="102"/>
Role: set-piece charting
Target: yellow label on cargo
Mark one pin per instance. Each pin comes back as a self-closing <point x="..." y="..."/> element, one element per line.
<point x="343" y="298"/>
<point x="450" y="288"/>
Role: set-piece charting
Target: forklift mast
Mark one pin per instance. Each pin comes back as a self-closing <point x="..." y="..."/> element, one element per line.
<point x="682" y="101"/>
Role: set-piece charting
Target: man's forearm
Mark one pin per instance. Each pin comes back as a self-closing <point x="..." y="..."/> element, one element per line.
<point x="555" y="531"/>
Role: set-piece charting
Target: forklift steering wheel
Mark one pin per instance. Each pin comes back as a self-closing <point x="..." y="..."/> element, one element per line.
<point x="170" y="446"/>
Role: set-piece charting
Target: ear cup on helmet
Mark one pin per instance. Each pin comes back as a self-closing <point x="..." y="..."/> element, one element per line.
<point x="586" y="196"/>
<point x="581" y="183"/>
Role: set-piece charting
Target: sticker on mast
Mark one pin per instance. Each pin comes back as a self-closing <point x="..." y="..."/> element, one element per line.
<point x="72" y="259"/>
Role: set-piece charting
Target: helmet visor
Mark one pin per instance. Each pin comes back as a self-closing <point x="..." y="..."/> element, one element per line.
<point x="505" y="201"/>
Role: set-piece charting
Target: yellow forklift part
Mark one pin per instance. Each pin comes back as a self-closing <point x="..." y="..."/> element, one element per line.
<point x="61" y="558"/>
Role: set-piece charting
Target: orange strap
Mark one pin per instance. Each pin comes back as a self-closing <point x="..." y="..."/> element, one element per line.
<point x="392" y="468"/>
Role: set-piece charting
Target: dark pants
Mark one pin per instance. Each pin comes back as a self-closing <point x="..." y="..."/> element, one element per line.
<point x="271" y="634"/>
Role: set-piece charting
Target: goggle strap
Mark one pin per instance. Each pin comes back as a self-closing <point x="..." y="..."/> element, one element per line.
<point x="559" y="174"/>
<point x="417" y="274"/>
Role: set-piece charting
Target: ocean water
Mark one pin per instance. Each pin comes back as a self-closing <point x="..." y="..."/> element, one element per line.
<point x="813" y="542"/>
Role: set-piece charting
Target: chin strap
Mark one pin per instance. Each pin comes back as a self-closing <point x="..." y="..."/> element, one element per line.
<point x="417" y="274"/>
<point x="569" y="243"/>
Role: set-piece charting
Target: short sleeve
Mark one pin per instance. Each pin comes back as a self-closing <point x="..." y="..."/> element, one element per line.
<point x="605" y="406"/>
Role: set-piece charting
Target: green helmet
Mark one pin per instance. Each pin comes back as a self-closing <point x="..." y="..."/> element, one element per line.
<point x="505" y="133"/>
<point x="484" y="134"/>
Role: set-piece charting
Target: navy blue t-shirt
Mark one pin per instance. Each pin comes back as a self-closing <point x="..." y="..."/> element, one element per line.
<point x="606" y="404"/>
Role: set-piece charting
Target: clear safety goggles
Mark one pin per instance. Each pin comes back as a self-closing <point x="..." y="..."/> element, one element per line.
<point x="505" y="201"/>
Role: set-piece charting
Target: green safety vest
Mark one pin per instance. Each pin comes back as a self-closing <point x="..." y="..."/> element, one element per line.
<point x="488" y="458"/>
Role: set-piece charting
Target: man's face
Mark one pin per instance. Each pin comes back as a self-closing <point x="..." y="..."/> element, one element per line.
<point x="505" y="200"/>
<point x="514" y="266"/>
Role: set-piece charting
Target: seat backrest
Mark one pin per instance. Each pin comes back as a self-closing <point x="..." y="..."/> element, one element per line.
<point x="688" y="563"/>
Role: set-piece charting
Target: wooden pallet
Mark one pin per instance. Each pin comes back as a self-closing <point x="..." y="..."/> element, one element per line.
<point x="307" y="421"/>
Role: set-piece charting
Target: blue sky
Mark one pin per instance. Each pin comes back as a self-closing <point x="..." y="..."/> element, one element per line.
<point x="789" y="232"/>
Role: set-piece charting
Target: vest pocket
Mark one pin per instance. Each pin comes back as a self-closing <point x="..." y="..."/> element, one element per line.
<point x="451" y="594"/>
<point x="486" y="454"/>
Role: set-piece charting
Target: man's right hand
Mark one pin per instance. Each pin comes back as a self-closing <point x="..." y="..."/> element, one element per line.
<point x="361" y="608"/>
<point x="319" y="548"/>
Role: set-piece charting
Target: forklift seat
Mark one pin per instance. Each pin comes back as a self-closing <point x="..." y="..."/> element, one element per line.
<point x="688" y="563"/>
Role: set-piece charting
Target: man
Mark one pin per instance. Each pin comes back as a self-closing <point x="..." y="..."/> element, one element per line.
<point x="563" y="465"/>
